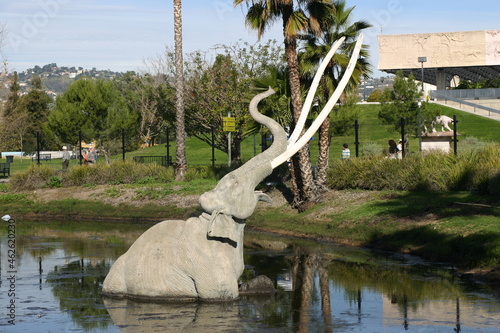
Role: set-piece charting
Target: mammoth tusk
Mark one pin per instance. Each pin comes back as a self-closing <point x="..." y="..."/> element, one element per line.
<point x="294" y="147"/>
<point x="312" y="91"/>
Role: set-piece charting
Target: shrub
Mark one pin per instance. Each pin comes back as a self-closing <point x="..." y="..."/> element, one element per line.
<point x="120" y="172"/>
<point x="199" y="172"/>
<point x="476" y="170"/>
<point x="146" y="180"/>
<point x="54" y="181"/>
<point x="343" y="174"/>
<point x="79" y="175"/>
<point x="35" y="177"/>
<point x="375" y="96"/>
<point x="470" y="145"/>
<point x="371" y="149"/>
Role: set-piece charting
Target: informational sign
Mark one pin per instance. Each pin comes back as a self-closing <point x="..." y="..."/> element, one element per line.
<point x="229" y="124"/>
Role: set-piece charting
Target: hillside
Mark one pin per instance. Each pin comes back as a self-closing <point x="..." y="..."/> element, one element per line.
<point x="56" y="79"/>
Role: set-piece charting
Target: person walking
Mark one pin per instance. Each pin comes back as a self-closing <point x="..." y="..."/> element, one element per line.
<point x="92" y="156"/>
<point x="65" y="158"/>
<point x="85" y="157"/>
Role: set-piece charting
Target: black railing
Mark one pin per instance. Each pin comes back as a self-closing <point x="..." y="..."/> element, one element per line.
<point x="160" y="160"/>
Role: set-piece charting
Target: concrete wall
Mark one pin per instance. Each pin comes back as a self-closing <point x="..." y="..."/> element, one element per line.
<point x="443" y="49"/>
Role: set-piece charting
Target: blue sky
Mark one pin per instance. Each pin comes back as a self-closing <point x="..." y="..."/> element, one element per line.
<point x="121" y="35"/>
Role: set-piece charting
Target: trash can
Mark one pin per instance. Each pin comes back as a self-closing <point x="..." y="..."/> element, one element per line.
<point x="9" y="158"/>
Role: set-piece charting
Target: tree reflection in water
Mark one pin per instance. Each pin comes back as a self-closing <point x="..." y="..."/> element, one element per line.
<point x="322" y="270"/>
<point x="304" y="266"/>
<point x="77" y="286"/>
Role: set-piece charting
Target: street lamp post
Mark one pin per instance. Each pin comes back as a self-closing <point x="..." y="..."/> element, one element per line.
<point x="419" y="129"/>
<point x="422" y="60"/>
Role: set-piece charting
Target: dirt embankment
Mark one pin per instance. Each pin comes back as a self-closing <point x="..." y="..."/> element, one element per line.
<point x="115" y="196"/>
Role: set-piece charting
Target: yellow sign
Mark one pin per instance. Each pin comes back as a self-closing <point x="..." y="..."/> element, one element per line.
<point x="229" y="124"/>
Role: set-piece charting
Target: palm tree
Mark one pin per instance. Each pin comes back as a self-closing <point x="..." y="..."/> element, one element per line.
<point x="261" y="14"/>
<point x="180" y="130"/>
<point x="277" y="105"/>
<point x="333" y="28"/>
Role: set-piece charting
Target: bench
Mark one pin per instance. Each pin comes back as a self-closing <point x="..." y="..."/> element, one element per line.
<point x="43" y="157"/>
<point x="5" y="169"/>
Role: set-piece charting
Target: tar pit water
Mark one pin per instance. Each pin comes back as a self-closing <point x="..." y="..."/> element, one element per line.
<point x="52" y="272"/>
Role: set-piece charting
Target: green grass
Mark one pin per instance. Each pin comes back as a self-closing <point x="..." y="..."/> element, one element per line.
<point x="372" y="130"/>
<point x="434" y="225"/>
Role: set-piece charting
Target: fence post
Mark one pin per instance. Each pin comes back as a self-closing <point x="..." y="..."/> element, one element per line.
<point x="455" y="140"/>
<point x="38" y="148"/>
<point x="123" y="144"/>
<point x="213" y="148"/>
<point x="356" y="137"/>
<point x="80" y="146"/>
<point x="402" y="120"/>
<point x="168" y="145"/>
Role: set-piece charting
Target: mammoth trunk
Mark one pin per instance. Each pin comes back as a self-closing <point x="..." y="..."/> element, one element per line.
<point x="235" y="193"/>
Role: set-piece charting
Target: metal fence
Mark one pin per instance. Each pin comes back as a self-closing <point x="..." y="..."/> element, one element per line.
<point x="449" y="95"/>
<point x="465" y="94"/>
<point x="160" y="160"/>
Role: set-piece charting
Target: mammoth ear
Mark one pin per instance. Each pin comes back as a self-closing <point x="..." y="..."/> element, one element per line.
<point x="222" y="226"/>
<point x="263" y="197"/>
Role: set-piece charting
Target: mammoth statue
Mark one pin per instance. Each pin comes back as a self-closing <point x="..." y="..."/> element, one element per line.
<point x="202" y="257"/>
<point x="444" y="121"/>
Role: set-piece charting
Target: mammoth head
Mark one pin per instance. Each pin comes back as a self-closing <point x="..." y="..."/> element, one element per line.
<point x="234" y="195"/>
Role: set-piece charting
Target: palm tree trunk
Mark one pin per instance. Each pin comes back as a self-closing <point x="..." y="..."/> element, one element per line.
<point x="323" y="154"/>
<point x="307" y="192"/>
<point x="303" y="291"/>
<point x="180" y="131"/>
<point x="325" y="296"/>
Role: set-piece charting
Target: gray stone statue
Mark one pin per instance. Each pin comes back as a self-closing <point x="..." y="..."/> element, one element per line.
<point x="444" y="121"/>
<point x="203" y="256"/>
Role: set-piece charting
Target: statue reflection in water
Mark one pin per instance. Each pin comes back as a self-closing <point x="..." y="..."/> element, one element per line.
<point x="287" y="309"/>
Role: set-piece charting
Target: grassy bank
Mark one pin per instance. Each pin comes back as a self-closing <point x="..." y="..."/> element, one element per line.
<point x="25" y="206"/>
<point x="454" y="227"/>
